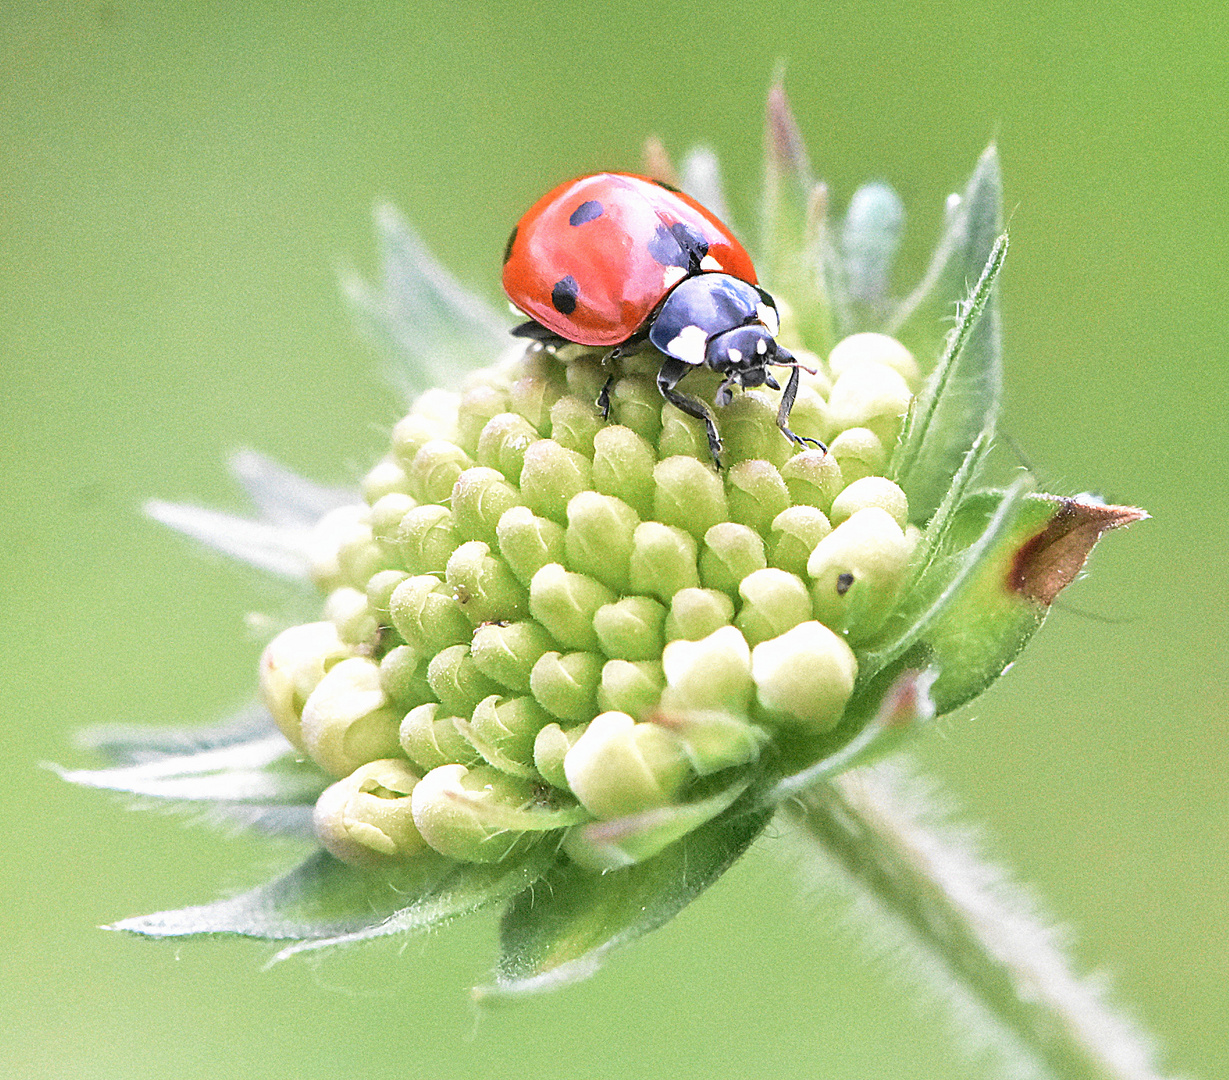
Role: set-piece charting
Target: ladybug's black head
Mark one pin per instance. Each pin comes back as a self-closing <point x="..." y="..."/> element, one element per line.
<point x="742" y="356"/>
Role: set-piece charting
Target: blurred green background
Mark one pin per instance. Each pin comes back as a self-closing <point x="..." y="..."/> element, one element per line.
<point x="179" y="184"/>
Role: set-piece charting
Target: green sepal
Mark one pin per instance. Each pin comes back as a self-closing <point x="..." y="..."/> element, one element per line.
<point x="559" y="931"/>
<point x="324" y="902"/>
<point x="798" y="259"/>
<point x="870" y="238"/>
<point x="419" y="314"/>
<point x="959" y="401"/>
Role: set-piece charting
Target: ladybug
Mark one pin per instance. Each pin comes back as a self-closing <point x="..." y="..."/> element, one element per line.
<point x="617" y="260"/>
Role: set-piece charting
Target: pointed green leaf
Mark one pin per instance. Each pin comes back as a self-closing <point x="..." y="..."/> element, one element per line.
<point x="972" y="222"/>
<point x="130" y="744"/>
<point x="959" y="402"/>
<point x="798" y="263"/>
<point x="324" y="901"/>
<point x="870" y="238"/>
<point x="420" y="314"/>
<point x="560" y="930"/>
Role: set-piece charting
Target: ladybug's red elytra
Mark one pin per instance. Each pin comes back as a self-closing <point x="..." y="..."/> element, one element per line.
<point x="616" y="260"/>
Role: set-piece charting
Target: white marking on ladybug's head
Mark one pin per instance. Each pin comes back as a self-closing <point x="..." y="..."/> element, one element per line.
<point x="761" y="347"/>
<point x="767" y="314"/>
<point x="672" y="276"/>
<point x="688" y="345"/>
<point x="734" y="354"/>
<point x="710" y="264"/>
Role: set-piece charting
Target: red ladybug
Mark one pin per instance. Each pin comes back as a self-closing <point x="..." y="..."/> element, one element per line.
<point x="615" y="259"/>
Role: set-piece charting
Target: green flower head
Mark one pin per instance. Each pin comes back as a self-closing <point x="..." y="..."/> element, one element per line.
<point x="557" y="640"/>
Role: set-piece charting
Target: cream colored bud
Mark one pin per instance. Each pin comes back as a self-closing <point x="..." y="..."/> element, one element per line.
<point x="507" y="652"/>
<point x="349" y="611"/>
<point x="478" y="405"/>
<point x="529" y="542"/>
<point x="630" y="628"/>
<point x="860" y="452"/>
<point x="712" y="673"/>
<point x="804" y="677"/>
<point x="479" y="498"/>
<point x="598" y="539"/>
<point x="793" y="536"/>
<point x="503" y="443"/>
<point x="551" y="476"/>
<point x="772" y="601"/>
<point x="871" y="491"/>
<point x="435" y="469"/>
<point x="550" y="749"/>
<point x="426" y="537"/>
<point x="430" y="738"/>
<point x="696" y="613"/>
<point x="291" y="667"/>
<point x="755" y="491"/>
<point x="566" y="684"/>
<point x="347" y="719"/>
<point x="730" y="552"/>
<point x="463" y="812"/>
<point x="565" y="604"/>
<point x="366" y="818"/>
<point x="813" y="478"/>
<point x="856" y="572"/>
<point x="618" y="767"/>
<point x="388" y="475"/>
<point x="631" y="686"/>
<point x="425" y="613"/>
<point x="663" y="560"/>
<point x="872" y="348"/>
<point x="574" y="422"/>
<point x="484" y="586"/>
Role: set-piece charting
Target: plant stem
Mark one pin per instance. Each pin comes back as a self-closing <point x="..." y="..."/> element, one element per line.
<point x="978" y="934"/>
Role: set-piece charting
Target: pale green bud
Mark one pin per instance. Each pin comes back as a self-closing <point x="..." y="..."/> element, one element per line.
<point x="804" y="677"/>
<point x="425" y="614"/>
<point x="359" y="554"/>
<point x="366" y="818"/>
<point x="463" y="813"/>
<point x="860" y="453"/>
<point x="385" y="518"/>
<point x="333" y="532"/>
<point x="479" y="498"/>
<point x="550" y="749"/>
<point x="633" y="687"/>
<point x="411" y="433"/>
<point x="403" y="677"/>
<point x="598" y="539"/>
<point x="507" y="652"/>
<point x="503" y="730"/>
<point x="379" y="591"/>
<point x="479" y="404"/>
<point x="619" y="767"/>
<point x="712" y="673"/>
<point x="873" y="396"/>
<point x="663" y="560"/>
<point x="574" y="422"/>
<point x="856" y="572"/>
<point x="435" y="469"/>
<point x="551" y="476"/>
<point x="539" y="387"/>
<point x="714" y="740"/>
<point x="681" y="435"/>
<point x="730" y="553"/>
<point x="793" y="537"/>
<point x="386" y="476"/>
<point x="347" y="719"/>
<point x="529" y="542"/>
<point x="485" y="588"/>
<point x="586" y="376"/>
<point x="623" y="466"/>
<point x="291" y="667"/>
<point x="347" y="609"/>
<point x="873" y="348"/>
<point x="635" y="403"/>
<point x="773" y="601"/>
<point x="749" y="431"/>
<point x="565" y="604"/>
<point x="696" y="613"/>
<point x="503" y="443"/>
<point x="631" y="628"/>
<point x="430" y="738"/>
<point x="755" y="492"/>
<point x="456" y="680"/>
<point x="566" y="684"/>
<point x="813" y="478"/>
<point x="689" y="495"/>
<point x="871" y="491"/>
<point x="426" y="537"/>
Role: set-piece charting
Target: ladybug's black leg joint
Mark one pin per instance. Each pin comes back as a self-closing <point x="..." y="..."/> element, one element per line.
<point x="668" y="376"/>
<point x="603" y="397"/>
<point x="535" y="331"/>
<point x="787" y="403"/>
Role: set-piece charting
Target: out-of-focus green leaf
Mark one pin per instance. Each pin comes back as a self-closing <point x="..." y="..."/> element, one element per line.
<point x="870" y="237"/>
<point x="130" y="744"/>
<point x="958" y="403"/>
<point x="798" y="261"/>
<point x="420" y="314"/>
<point x="560" y="929"/>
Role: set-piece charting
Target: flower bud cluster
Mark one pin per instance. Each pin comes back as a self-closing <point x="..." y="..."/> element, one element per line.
<point x="543" y="618"/>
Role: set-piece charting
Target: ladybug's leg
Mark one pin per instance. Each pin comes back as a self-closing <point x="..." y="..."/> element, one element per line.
<point x="668" y="376"/>
<point x="603" y="397"/>
<point x="535" y="331"/>
<point x="787" y="403"/>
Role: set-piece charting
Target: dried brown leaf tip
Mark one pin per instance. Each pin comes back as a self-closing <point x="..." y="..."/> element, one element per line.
<point x="786" y="149"/>
<point x="1049" y="561"/>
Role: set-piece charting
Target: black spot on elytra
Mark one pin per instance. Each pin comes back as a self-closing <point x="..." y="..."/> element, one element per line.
<point x="508" y="245"/>
<point x="586" y="211"/>
<point x="843" y="583"/>
<point x="678" y="245"/>
<point x="563" y="295"/>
